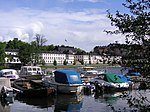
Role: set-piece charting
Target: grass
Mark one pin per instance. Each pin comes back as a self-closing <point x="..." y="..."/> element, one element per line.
<point x="77" y="66"/>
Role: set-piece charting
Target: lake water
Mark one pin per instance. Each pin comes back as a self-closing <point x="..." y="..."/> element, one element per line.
<point x="89" y="102"/>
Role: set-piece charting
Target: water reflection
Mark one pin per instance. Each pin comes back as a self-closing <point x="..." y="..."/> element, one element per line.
<point x="5" y="104"/>
<point x="43" y="102"/>
<point x="109" y="98"/>
<point x="68" y="103"/>
<point x="58" y="103"/>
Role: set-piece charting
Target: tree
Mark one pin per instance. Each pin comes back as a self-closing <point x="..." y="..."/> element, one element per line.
<point x="65" y="62"/>
<point x="82" y="62"/>
<point x="14" y="44"/>
<point x="25" y="53"/>
<point x="38" y="44"/>
<point x="74" y="62"/>
<point x="2" y="54"/>
<point x="135" y="27"/>
<point x="55" y="63"/>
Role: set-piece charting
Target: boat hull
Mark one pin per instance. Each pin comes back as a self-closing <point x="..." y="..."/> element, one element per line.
<point x="66" y="88"/>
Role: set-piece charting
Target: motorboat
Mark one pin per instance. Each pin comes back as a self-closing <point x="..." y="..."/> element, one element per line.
<point x="28" y="88"/>
<point x="133" y="74"/>
<point x="12" y="74"/>
<point x="31" y="72"/>
<point x="110" y="80"/>
<point x="64" y="81"/>
<point x="90" y="72"/>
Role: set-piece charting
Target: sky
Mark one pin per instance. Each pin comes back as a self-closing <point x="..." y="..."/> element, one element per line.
<point x="75" y="23"/>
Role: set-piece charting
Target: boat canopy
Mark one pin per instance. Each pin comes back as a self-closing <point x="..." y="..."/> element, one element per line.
<point x="67" y="77"/>
<point x="133" y="73"/>
<point x="110" y="77"/>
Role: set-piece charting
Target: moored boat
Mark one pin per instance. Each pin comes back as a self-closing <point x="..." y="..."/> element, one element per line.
<point x="89" y="72"/>
<point x="64" y="81"/>
<point x="133" y="74"/>
<point x="12" y="74"/>
<point x="31" y="72"/>
<point x="110" y="81"/>
<point x="28" y="88"/>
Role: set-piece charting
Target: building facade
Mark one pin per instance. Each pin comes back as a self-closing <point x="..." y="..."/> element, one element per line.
<point x="50" y="57"/>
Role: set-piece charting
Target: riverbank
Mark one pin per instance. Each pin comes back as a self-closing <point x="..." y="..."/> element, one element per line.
<point x="77" y="66"/>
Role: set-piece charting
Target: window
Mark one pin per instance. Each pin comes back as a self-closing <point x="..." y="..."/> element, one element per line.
<point x="29" y="69"/>
<point x="74" y="77"/>
<point x="34" y="69"/>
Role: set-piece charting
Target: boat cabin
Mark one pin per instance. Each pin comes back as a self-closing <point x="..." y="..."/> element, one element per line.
<point x="67" y="77"/>
<point x="12" y="74"/>
<point x="30" y="70"/>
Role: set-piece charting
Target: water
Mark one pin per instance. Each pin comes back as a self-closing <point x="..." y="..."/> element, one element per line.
<point x="90" y="102"/>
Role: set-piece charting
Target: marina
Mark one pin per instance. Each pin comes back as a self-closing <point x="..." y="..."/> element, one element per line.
<point x="86" y="101"/>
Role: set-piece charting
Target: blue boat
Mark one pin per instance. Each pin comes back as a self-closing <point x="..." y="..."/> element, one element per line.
<point x="64" y="81"/>
<point x="133" y="72"/>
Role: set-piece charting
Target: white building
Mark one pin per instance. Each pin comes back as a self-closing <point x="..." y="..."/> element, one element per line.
<point x="84" y="58"/>
<point x="49" y="57"/>
<point x="11" y="56"/>
<point x="70" y="58"/>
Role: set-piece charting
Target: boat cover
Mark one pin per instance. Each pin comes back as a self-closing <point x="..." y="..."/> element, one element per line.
<point x="67" y="77"/>
<point x="110" y="77"/>
<point x="133" y="73"/>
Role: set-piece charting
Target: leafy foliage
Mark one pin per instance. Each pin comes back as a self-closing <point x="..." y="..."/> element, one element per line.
<point x="2" y="53"/>
<point x="136" y="28"/>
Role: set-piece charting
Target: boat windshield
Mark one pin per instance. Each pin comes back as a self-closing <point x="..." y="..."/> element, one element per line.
<point x="7" y="73"/>
<point x="74" y="78"/>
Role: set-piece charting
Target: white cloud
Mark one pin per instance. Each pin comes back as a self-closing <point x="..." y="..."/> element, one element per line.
<point x="82" y="29"/>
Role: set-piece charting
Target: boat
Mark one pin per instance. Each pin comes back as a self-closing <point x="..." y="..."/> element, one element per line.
<point x="29" y="88"/>
<point x="12" y="74"/>
<point x="31" y="72"/>
<point x="64" y="81"/>
<point x="90" y="72"/>
<point x="133" y="74"/>
<point x="110" y="81"/>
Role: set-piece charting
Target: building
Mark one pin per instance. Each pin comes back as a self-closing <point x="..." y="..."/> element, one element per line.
<point x="12" y="56"/>
<point x="50" y="56"/>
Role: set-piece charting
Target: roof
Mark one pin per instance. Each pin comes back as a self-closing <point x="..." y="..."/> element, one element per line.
<point x="70" y="76"/>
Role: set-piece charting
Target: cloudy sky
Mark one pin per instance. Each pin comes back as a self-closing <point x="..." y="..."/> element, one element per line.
<point x="80" y="22"/>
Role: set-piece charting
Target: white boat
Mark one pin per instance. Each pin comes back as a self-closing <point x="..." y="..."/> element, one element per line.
<point x="90" y="72"/>
<point x="64" y="81"/>
<point x="31" y="72"/>
<point x="12" y="74"/>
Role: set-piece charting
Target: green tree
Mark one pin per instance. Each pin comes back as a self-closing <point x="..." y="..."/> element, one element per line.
<point x="55" y="62"/>
<point x="82" y="62"/>
<point x="74" y="62"/>
<point x="14" y="44"/>
<point x="25" y="53"/>
<point x="2" y="54"/>
<point x="65" y="62"/>
<point x="135" y="27"/>
<point x="79" y="51"/>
